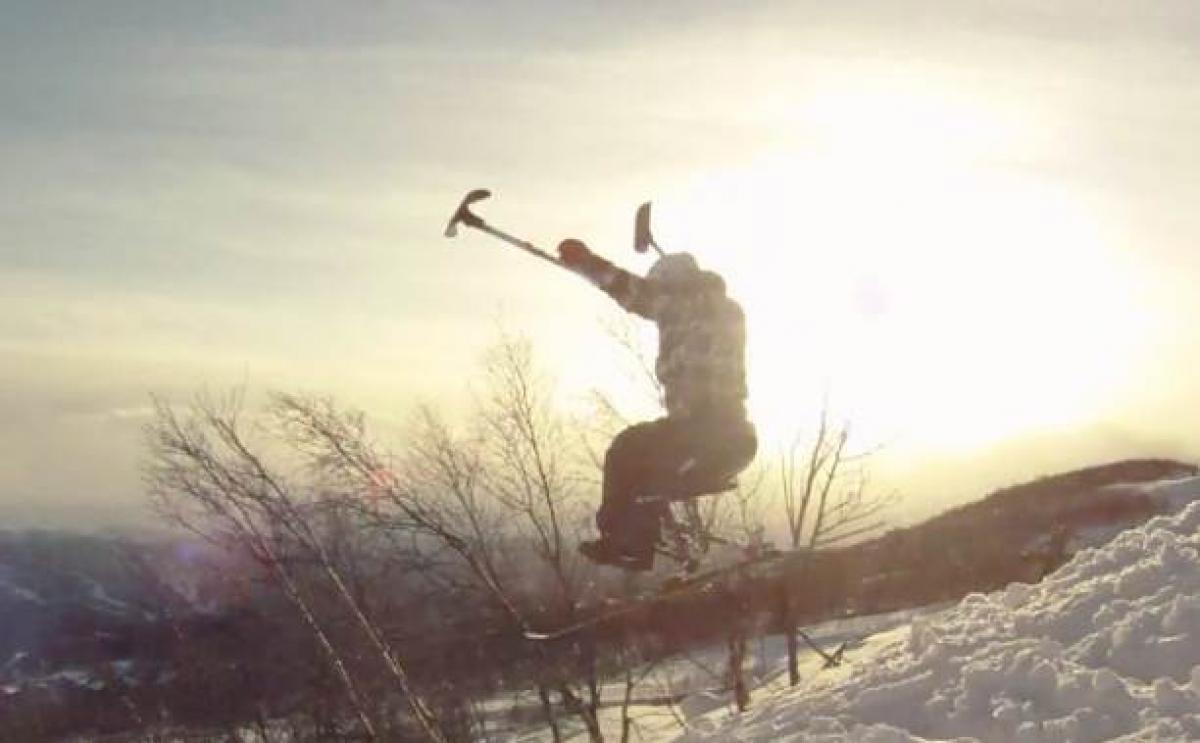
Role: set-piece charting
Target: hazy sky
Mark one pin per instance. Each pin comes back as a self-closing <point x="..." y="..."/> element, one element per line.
<point x="971" y="224"/>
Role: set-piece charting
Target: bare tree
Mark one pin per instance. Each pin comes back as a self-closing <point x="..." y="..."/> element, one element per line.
<point x="503" y="500"/>
<point x="530" y="473"/>
<point x="529" y="463"/>
<point x="826" y="502"/>
<point x="205" y="474"/>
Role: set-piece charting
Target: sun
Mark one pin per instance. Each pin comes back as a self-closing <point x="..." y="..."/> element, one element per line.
<point x="899" y="270"/>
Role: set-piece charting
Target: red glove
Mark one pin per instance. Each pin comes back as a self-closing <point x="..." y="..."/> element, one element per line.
<point x="573" y="253"/>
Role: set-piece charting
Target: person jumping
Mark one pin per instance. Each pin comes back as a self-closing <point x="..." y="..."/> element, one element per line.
<point x="705" y="438"/>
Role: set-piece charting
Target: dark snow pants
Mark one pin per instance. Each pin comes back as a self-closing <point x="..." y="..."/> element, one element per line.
<point x="672" y="457"/>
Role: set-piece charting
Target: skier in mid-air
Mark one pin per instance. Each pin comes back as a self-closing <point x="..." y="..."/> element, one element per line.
<point x="705" y="439"/>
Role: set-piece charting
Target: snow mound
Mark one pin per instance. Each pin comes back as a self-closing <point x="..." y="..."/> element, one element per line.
<point x="1105" y="648"/>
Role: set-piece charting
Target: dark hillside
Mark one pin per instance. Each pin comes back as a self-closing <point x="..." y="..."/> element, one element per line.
<point x="1017" y="533"/>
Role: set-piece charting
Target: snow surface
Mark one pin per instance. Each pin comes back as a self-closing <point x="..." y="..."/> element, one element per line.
<point x="1105" y="648"/>
<point x="103" y="601"/>
<point x="12" y="589"/>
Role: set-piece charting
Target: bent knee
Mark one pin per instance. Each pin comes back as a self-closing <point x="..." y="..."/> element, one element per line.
<point x="629" y="443"/>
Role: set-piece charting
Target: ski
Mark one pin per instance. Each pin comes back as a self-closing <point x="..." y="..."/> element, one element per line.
<point x="673" y="588"/>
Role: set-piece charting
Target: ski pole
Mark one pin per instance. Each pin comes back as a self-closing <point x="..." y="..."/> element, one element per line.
<point x="464" y="215"/>
<point x="642" y="239"/>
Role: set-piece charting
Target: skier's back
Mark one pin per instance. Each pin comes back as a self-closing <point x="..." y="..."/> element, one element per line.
<point x="705" y="438"/>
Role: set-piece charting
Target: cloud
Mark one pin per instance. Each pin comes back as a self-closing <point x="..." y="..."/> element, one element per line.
<point x="221" y="191"/>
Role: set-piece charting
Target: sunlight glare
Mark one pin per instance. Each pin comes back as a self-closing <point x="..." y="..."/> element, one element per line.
<point x="894" y="261"/>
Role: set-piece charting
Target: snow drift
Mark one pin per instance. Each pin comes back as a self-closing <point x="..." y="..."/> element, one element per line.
<point x="1105" y="648"/>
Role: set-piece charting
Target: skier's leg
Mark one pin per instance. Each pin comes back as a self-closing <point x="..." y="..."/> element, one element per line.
<point x="704" y="453"/>
<point x="626" y="526"/>
<point x="727" y="446"/>
<point x="626" y="464"/>
<point x="664" y="457"/>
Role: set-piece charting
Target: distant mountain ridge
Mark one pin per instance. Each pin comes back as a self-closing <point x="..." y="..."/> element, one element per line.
<point x="1087" y="482"/>
<point x="68" y="598"/>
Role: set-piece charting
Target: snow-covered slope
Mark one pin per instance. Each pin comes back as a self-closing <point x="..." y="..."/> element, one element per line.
<point x="1105" y="648"/>
<point x="70" y="602"/>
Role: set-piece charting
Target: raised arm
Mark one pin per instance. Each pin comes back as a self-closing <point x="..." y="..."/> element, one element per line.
<point x="631" y="291"/>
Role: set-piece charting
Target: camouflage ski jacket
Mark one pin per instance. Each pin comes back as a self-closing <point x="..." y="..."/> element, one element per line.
<point x="701" y="337"/>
